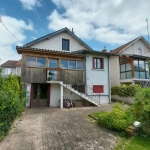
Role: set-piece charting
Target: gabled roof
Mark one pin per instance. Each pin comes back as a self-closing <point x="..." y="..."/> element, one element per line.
<point x="57" y="32"/>
<point x="119" y="49"/>
<point x="9" y="63"/>
<point x="18" y="64"/>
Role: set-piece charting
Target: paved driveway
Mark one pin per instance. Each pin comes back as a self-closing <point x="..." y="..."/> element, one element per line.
<point x="55" y="129"/>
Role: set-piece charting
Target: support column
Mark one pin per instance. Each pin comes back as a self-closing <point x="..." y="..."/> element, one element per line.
<point x="61" y="96"/>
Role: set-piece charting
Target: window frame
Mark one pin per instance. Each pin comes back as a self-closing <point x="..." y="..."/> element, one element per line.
<point x="63" y="39"/>
<point x="101" y="61"/>
<point x="35" y="62"/>
<point x="96" y="92"/>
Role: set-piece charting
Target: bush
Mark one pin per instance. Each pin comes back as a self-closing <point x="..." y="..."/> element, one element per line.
<point x="141" y="109"/>
<point x="117" y="119"/>
<point x="125" y="90"/>
<point x="12" y="102"/>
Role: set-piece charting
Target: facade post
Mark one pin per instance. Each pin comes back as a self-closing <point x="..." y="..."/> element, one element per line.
<point x="61" y="96"/>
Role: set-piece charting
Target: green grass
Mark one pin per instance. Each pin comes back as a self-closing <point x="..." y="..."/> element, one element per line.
<point x="136" y="143"/>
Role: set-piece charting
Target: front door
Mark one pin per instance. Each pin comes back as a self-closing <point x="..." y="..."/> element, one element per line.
<point x="40" y="95"/>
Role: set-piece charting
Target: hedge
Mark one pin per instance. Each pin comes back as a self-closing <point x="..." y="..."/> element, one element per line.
<point x="12" y="102"/>
<point x="125" y="90"/>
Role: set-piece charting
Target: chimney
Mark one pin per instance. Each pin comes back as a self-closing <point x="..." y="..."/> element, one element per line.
<point x="104" y="50"/>
<point x="72" y="30"/>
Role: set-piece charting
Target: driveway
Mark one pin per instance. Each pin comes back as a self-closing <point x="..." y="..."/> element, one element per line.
<point x="55" y="129"/>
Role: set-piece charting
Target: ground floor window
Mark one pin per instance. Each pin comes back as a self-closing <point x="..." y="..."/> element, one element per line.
<point x="79" y="88"/>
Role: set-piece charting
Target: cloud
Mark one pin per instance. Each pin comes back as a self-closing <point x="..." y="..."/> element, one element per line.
<point x="8" y="41"/>
<point x="30" y="4"/>
<point x="113" y="22"/>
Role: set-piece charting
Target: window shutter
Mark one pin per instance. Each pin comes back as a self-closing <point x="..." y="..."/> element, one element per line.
<point x="98" y="89"/>
<point x="102" y="61"/>
<point x="93" y="63"/>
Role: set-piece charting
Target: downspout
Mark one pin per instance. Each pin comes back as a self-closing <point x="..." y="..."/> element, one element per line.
<point x="109" y="86"/>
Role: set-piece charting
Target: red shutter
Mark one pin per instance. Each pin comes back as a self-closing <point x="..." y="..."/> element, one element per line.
<point x="93" y="62"/>
<point x="102" y="61"/>
<point x="31" y="95"/>
<point x="98" y="89"/>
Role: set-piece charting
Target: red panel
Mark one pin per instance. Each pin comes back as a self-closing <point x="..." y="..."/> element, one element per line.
<point x="98" y="89"/>
<point x="102" y="61"/>
<point x="31" y="95"/>
<point x="93" y="63"/>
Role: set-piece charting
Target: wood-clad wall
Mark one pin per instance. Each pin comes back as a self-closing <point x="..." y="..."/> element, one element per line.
<point x="39" y="75"/>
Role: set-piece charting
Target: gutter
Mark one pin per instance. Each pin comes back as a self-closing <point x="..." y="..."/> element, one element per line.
<point x="109" y="87"/>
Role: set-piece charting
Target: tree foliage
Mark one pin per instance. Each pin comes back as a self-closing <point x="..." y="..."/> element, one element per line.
<point x="12" y="101"/>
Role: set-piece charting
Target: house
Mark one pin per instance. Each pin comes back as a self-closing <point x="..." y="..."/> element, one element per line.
<point x="130" y="65"/>
<point x="11" y="67"/>
<point x="60" y="66"/>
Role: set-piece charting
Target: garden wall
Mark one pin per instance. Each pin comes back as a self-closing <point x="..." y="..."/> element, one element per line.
<point x="128" y="100"/>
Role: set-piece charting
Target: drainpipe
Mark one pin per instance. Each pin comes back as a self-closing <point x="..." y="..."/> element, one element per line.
<point x="109" y="86"/>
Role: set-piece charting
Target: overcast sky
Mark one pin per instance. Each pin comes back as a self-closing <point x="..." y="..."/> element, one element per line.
<point x="99" y="23"/>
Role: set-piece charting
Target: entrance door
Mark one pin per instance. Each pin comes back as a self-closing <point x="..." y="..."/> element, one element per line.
<point x="40" y="95"/>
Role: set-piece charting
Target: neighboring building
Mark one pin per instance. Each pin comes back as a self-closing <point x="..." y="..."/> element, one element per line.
<point x="11" y="67"/>
<point x="61" y="66"/>
<point x="130" y="65"/>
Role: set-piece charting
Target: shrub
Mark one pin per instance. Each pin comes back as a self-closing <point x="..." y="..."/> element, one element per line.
<point x="12" y="102"/>
<point x="117" y="119"/>
<point x="125" y="90"/>
<point x="141" y="109"/>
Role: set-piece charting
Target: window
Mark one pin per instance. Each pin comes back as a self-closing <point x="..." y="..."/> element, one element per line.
<point x="80" y="65"/>
<point x="64" y="64"/>
<point x="41" y="62"/>
<point x="7" y="71"/>
<point x="31" y="61"/>
<point x="65" y="44"/>
<point x="98" y="89"/>
<point x="53" y="63"/>
<point x="141" y="70"/>
<point x="98" y="63"/>
<point x="35" y="62"/>
<point x="79" y="88"/>
<point x="72" y="64"/>
<point x="125" y="71"/>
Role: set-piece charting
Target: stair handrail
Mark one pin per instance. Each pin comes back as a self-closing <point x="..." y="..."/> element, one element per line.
<point x="87" y="87"/>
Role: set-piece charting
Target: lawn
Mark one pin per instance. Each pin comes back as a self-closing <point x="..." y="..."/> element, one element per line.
<point x="138" y="143"/>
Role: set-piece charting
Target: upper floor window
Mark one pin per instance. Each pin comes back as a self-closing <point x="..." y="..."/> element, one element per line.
<point x="98" y="63"/>
<point x="65" y="44"/>
<point x="53" y="63"/>
<point x="35" y="62"/>
<point x="71" y="64"/>
<point x="31" y="61"/>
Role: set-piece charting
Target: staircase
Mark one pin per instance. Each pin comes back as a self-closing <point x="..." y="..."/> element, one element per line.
<point x="145" y="84"/>
<point x="88" y="95"/>
<point x="94" y="100"/>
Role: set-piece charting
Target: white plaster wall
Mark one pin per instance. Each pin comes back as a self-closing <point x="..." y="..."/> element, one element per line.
<point x="5" y="71"/>
<point x="133" y="49"/>
<point x="55" y="43"/>
<point x="28" y="88"/>
<point x="18" y="71"/>
<point x="114" y="70"/>
<point x="55" y="95"/>
<point x="98" y="76"/>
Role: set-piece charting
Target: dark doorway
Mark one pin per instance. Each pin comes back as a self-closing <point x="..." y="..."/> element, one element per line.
<point x="40" y="95"/>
